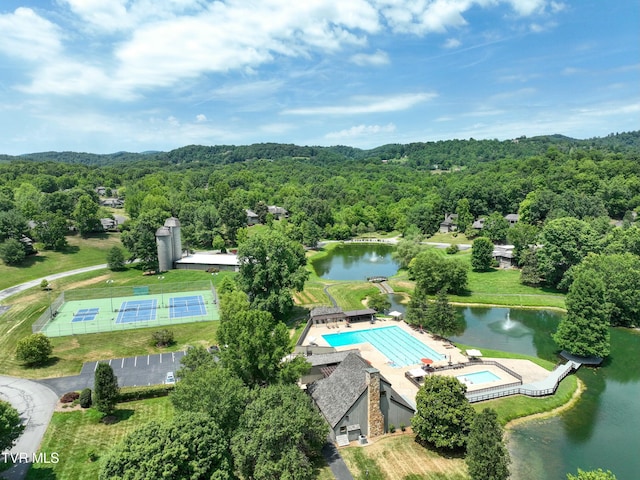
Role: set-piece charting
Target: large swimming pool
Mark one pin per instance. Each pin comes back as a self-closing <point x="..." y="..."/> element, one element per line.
<point x="400" y="348"/>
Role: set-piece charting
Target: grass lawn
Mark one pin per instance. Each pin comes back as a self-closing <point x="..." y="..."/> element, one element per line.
<point x="70" y="352"/>
<point x="76" y="435"/>
<point x="449" y="238"/>
<point x="80" y="253"/>
<point x="349" y="296"/>
<point x="400" y="457"/>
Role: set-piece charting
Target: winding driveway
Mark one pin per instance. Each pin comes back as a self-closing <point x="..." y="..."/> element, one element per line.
<point x="34" y="401"/>
<point x="35" y="404"/>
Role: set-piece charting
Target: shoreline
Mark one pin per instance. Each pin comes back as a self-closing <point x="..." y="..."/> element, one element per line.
<point x="548" y="414"/>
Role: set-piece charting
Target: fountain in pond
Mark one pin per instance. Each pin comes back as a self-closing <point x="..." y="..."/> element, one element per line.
<point x="374" y="257"/>
<point x="508" y="324"/>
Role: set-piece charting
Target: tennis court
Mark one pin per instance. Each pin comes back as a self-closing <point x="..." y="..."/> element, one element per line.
<point x="187" y="306"/>
<point x="137" y="311"/>
<point x="107" y="309"/>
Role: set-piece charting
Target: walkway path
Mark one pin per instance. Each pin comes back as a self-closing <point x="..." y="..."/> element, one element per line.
<point x="326" y="292"/>
<point x="547" y="386"/>
<point x="335" y="461"/>
<point x="7" y="292"/>
<point x="35" y="404"/>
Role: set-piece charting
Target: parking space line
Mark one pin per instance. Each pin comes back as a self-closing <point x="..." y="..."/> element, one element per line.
<point x="95" y="366"/>
<point x="122" y="365"/>
<point x="173" y="357"/>
<point x="147" y="359"/>
<point x="135" y="361"/>
<point x="110" y="361"/>
<point x="160" y="358"/>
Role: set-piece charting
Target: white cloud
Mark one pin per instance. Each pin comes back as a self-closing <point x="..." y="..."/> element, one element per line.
<point x="24" y="34"/>
<point x="527" y="7"/>
<point x="452" y="43"/>
<point x="361" y="130"/>
<point x="374" y="59"/>
<point x="365" y="105"/>
<point x="201" y="118"/>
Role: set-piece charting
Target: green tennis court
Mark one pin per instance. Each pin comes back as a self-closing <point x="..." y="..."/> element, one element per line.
<point x="139" y="309"/>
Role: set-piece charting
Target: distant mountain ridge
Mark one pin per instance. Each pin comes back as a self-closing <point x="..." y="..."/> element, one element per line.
<point x="442" y="153"/>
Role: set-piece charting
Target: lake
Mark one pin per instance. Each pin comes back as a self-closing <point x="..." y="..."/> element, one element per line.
<point x="356" y="262"/>
<point x="601" y="431"/>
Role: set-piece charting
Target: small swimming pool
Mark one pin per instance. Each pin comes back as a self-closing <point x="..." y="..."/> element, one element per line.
<point x="478" y="377"/>
<point x="394" y="343"/>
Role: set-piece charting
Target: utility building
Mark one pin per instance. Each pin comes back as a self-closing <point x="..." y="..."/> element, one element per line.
<point x="169" y="244"/>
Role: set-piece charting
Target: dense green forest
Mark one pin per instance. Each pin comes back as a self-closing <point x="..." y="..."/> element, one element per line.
<point x="336" y="192"/>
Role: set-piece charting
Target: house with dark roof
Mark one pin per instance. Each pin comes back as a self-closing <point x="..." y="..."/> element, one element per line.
<point x="323" y="314"/>
<point x="512" y="218"/>
<point x="450" y="223"/>
<point x="252" y="217"/>
<point x="324" y="364"/>
<point x="356" y="400"/>
<point x="278" y="212"/>
<point x="503" y="254"/>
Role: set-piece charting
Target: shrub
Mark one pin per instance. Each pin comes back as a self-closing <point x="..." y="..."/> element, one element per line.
<point x="34" y="349"/>
<point x="44" y="284"/>
<point x="163" y="338"/>
<point x="130" y="394"/>
<point x="452" y="249"/>
<point x="392" y="428"/>
<point x="85" y="398"/>
<point x="403" y="427"/>
<point x="70" y="397"/>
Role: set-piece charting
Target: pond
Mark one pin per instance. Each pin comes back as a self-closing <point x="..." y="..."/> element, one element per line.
<point x="601" y="431"/>
<point x="356" y="262"/>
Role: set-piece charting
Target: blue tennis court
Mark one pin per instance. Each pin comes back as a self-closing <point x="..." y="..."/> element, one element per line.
<point x="188" y="306"/>
<point x="85" y="315"/>
<point x="137" y="311"/>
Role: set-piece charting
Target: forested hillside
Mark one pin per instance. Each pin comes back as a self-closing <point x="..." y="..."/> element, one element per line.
<point x="329" y="192"/>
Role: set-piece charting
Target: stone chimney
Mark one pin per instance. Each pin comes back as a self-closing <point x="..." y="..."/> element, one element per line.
<point x="375" y="417"/>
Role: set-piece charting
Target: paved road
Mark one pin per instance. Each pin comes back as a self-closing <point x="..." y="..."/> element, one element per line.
<point x="7" y="292"/>
<point x="131" y="372"/>
<point x="35" y="403"/>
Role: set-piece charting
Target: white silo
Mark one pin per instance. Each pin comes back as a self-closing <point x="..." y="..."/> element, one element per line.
<point x="174" y="225"/>
<point x="165" y="249"/>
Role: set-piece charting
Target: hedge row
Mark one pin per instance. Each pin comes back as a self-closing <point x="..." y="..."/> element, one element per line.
<point x="129" y="394"/>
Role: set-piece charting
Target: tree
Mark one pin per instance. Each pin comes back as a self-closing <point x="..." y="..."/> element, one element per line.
<point x="441" y="317"/>
<point x="12" y="225"/>
<point x="271" y="269"/>
<point x="495" y="228"/>
<point x="585" y="329"/>
<point x="418" y="308"/>
<point x="85" y="398"/>
<point x="212" y="390"/>
<point x="426" y="216"/>
<point x="598" y="474"/>
<point x="105" y="390"/>
<point x="12" y="252"/>
<point x="195" y="357"/>
<point x="192" y="446"/>
<point x="433" y="272"/>
<point x="50" y="230"/>
<point x="378" y="302"/>
<point x="163" y="338"/>
<point x="407" y="249"/>
<point x="522" y="236"/>
<point x="140" y="239"/>
<point x="34" y="349"/>
<point x="85" y="215"/>
<point x="279" y="435"/>
<point x="10" y="425"/>
<point x="621" y="275"/>
<point x="261" y="210"/>
<point x="487" y="455"/>
<point x="564" y="243"/>
<point x="443" y="413"/>
<point x="115" y="259"/>
<point x="252" y="345"/>
<point x="465" y="217"/>
<point x="233" y="217"/>
<point x="482" y="254"/>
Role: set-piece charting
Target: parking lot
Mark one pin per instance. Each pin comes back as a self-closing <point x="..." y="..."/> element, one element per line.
<point x="131" y="372"/>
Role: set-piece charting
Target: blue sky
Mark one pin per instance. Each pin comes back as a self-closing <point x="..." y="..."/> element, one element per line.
<point x="111" y="75"/>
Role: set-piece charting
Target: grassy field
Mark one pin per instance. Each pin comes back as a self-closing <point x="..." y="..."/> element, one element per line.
<point x="80" y="253"/>
<point x="349" y="295"/>
<point x="70" y="352"/>
<point x="400" y="457"/>
<point x="76" y="435"/>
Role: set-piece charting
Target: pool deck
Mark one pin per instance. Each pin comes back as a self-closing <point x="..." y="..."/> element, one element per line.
<point x="529" y="371"/>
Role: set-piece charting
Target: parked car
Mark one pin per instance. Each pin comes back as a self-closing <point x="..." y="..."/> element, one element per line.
<point x="170" y="379"/>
